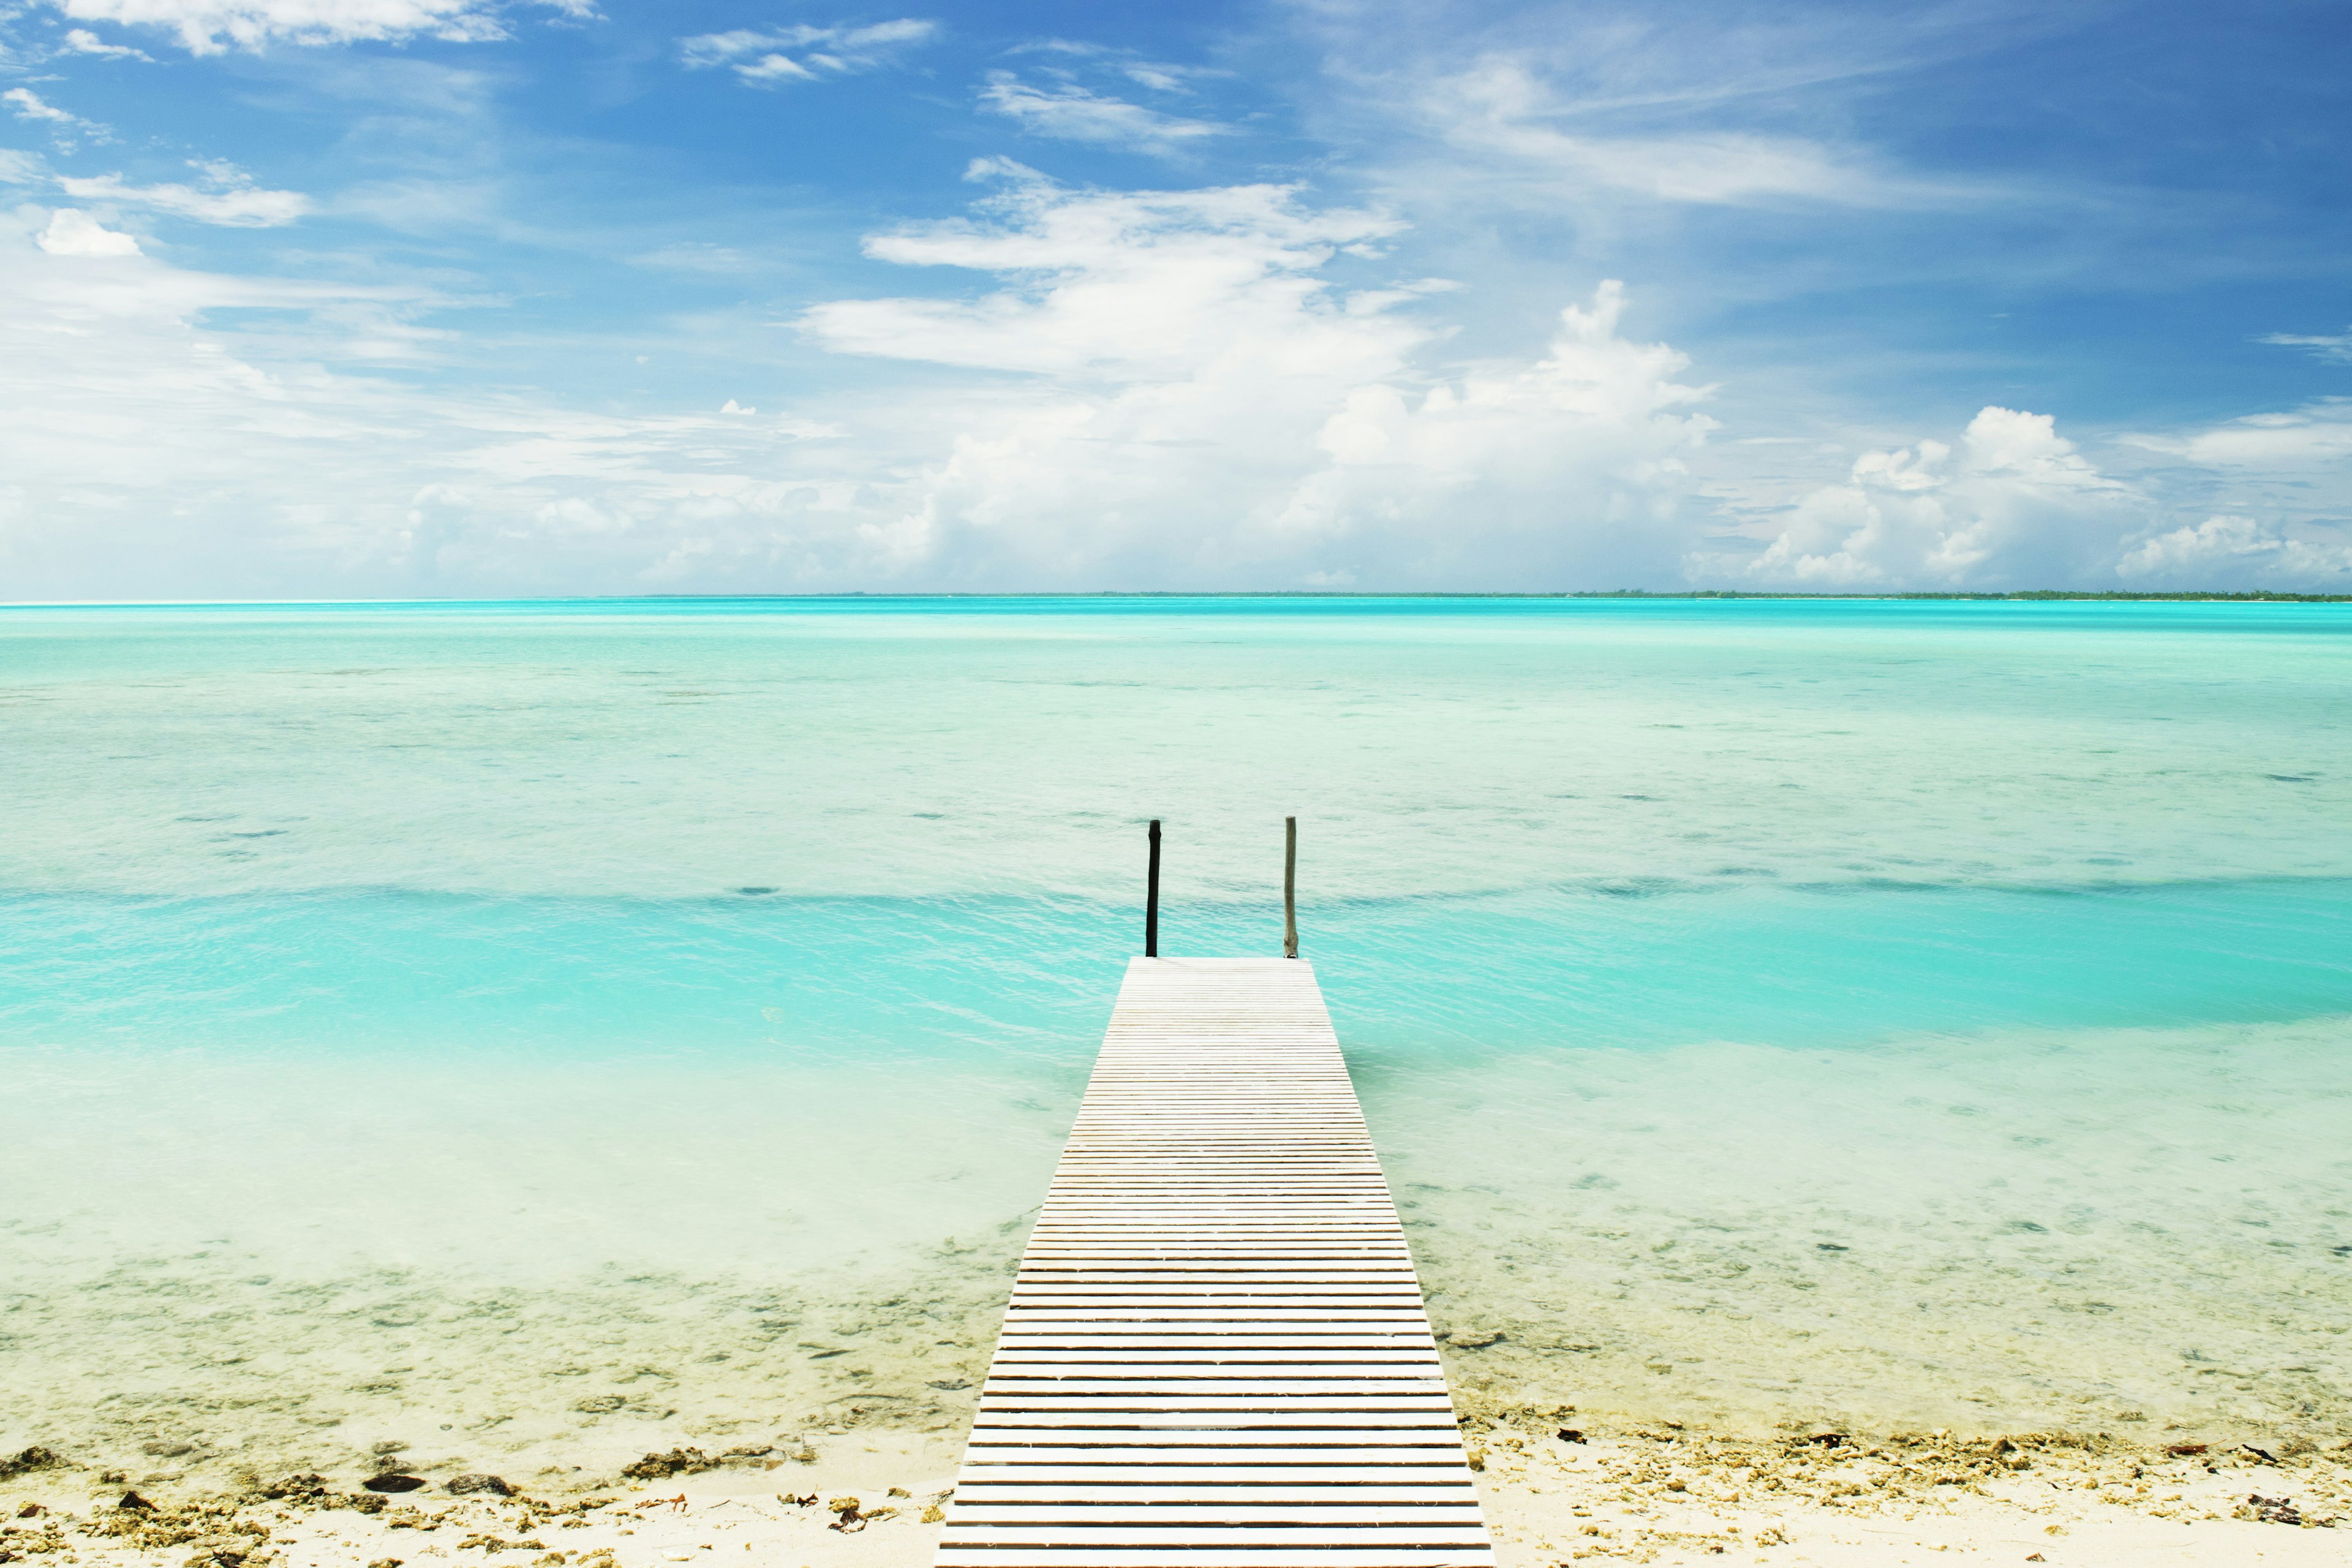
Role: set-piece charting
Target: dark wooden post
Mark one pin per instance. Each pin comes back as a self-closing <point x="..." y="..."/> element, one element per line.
<point x="1151" y="898"/>
<point x="1290" y="886"/>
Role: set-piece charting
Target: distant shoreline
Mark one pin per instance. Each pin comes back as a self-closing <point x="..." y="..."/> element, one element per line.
<point x="2026" y="595"/>
<point x="2022" y="596"/>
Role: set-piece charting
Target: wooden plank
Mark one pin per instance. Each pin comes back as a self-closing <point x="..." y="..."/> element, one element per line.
<point x="1217" y="1352"/>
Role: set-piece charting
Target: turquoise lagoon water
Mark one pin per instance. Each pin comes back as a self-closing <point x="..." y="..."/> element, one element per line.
<point x="433" y="1017"/>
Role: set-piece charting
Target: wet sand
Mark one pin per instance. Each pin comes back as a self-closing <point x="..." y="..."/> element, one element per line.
<point x="249" y="1411"/>
<point x="2132" y="1235"/>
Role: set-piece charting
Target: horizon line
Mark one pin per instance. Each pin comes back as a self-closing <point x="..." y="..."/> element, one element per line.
<point x="2029" y="595"/>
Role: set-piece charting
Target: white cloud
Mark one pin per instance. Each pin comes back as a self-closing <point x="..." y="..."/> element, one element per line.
<point x="2014" y="505"/>
<point x="72" y="233"/>
<point x="1071" y="113"/>
<point x="27" y="105"/>
<point x="232" y="201"/>
<point x="773" y="67"/>
<point x="155" y="454"/>
<point x="1126" y="283"/>
<point x="2319" y="434"/>
<point x="1171" y="393"/>
<point x="2339" y="347"/>
<point x="1500" y="107"/>
<point x="1207" y="409"/>
<point x="758" y="58"/>
<point x="1126" y="389"/>
<point x="1079" y="47"/>
<point x="2232" y="552"/>
<point x="229" y="198"/>
<point x="1575" y="463"/>
<point x="574" y="515"/>
<point x="2290" y="471"/>
<point x="212" y="27"/>
<point x="82" y="41"/>
<point x="64" y="128"/>
<point x="1158" y="77"/>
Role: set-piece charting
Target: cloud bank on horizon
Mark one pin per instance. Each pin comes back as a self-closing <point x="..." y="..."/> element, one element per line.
<point x="478" y="296"/>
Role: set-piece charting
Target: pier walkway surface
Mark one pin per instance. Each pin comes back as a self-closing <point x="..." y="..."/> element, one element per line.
<point x="1217" y="1352"/>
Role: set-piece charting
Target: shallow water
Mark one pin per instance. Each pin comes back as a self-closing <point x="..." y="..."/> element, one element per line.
<point x="438" y="1016"/>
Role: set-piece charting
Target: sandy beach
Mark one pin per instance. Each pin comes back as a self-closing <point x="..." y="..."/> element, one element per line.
<point x="852" y="1499"/>
<point x="248" y="1408"/>
<point x="1900" y="1102"/>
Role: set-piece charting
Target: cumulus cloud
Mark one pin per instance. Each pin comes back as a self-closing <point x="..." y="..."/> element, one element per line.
<point x="227" y="199"/>
<point x="1068" y="112"/>
<point x="1206" y="407"/>
<point x="72" y="233"/>
<point x="760" y="58"/>
<point x="1171" y="390"/>
<point x="1575" y="463"/>
<point x="1106" y="388"/>
<point x="2232" y="552"/>
<point x="213" y="26"/>
<point x="2288" y="471"/>
<point x="2013" y="505"/>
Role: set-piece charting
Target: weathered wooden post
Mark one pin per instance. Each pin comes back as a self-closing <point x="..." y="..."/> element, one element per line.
<point x="1151" y="898"/>
<point x="1290" y="886"/>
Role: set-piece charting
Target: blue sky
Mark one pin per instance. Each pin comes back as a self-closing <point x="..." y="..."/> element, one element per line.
<point x="464" y="297"/>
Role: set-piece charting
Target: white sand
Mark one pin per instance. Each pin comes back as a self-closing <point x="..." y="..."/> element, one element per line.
<point x="1661" y="1496"/>
<point x="1654" y="1496"/>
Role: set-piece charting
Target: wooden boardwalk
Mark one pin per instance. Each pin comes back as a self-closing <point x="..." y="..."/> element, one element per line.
<point x="1216" y="1352"/>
